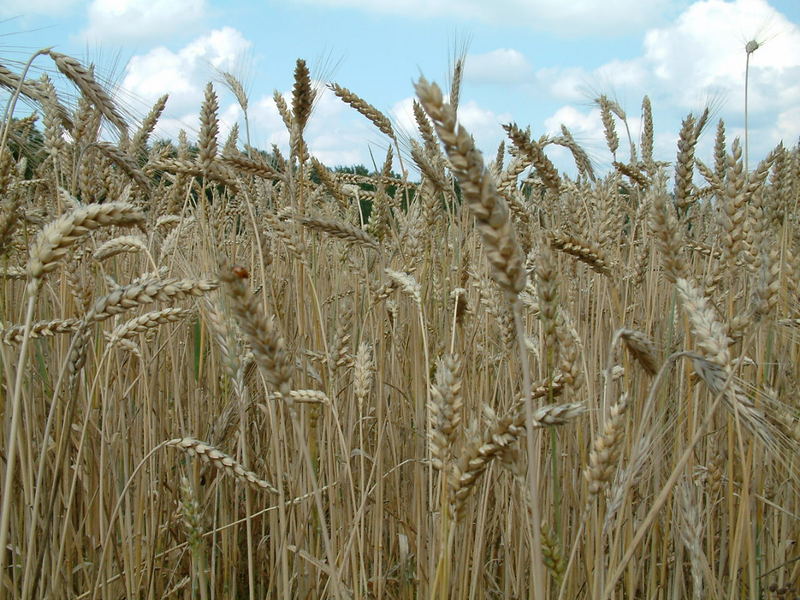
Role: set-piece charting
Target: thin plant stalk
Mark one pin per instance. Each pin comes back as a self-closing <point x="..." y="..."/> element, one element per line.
<point x="533" y="456"/>
<point x="12" y="102"/>
<point x="751" y="47"/>
<point x="11" y="453"/>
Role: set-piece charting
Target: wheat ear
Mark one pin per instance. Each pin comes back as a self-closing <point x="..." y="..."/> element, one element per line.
<point x="641" y="348"/>
<point x="302" y="95"/>
<point x="209" y="129"/>
<point x="586" y="252"/>
<point x="86" y="83"/>
<point x="262" y="335"/>
<point x="535" y="154"/>
<point x="139" y="141"/>
<point x="607" y="448"/>
<point x="375" y="116"/>
<point x="343" y="231"/>
<point x="58" y="237"/>
<point x="221" y="461"/>
<point x="478" y="187"/>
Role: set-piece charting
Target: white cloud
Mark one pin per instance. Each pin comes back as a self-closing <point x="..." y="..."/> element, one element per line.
<point x="703" y="52"/>
<point x="170" y="124"/>
<point x="697" y="60"/>
<point x="483" y="124"/>
<point x="788" y="126"/>
<point x="266" y="123"/>
<point x="330" y="151"/>
<point x="158" y="72"/>
<point x="623" y="74"/>
<point x="502" y="66"/>
<point x="338" y="135"/>
<point x="575" y="84"/>
<point x="700" y="55"/>
<point x="131" y="21"/>
<point x="681" y="66"/>
<point x="223" y="48"/>
<point x="564" y="83"/>
<point x="700" y="59"/>
<point x="584" y="126"/>
<point x="571" y="17"/>
<point x="183" y="74"/>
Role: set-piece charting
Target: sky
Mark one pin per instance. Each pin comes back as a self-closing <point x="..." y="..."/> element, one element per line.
<point x="538" y="63"/>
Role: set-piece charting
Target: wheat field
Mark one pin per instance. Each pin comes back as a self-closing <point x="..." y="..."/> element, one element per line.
<point x="233" y="373"/>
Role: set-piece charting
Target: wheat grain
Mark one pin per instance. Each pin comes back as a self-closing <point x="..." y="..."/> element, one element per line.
<point x="125" y="163"/>
<point x="118" y="245"/>
<point x="407" y="283"/>
<point x="363" y="368"/>
<point x="612" y="139"/>
<point x="252" y="166"/>
<point x="139" y="141"/>
<point x="14" y="333"/>
<point x="684" y="164"/>
<point x="130" y="296"/>
<point x="446" y="408"/>
<point x="498" y="440"/>
<point x="302" y="95"/>
<point x="646" y="144"/>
